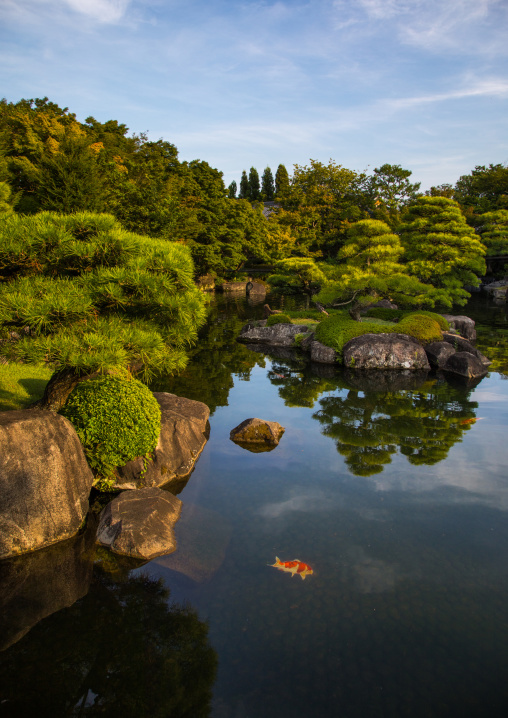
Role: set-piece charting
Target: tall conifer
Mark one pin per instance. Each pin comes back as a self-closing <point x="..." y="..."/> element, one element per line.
<point x="244" y="187"/>
<point x="254" y="186"/>
<point x="281" y="182"/>
<point x="267" y="185"/>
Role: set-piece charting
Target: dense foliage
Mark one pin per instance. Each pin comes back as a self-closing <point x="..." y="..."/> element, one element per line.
<point x="117" y="419"/>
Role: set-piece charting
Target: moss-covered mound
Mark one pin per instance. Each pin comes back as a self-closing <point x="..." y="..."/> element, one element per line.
<point x="278" y="319"/>
<point x="395" y="315"/>
<point x="116" y="419"/>
<point x="337" y="330"/>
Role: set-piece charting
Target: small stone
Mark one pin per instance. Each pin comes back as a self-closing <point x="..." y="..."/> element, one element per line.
<point x="258" y="432"/>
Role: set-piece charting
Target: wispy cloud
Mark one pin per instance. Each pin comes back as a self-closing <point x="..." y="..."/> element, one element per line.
<point x="106" y="11"/>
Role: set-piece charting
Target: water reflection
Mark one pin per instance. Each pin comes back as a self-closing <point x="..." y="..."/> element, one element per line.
<point x="122" y="650"/>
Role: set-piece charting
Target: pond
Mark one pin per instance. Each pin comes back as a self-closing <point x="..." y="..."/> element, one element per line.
<point x="394" y="490"/>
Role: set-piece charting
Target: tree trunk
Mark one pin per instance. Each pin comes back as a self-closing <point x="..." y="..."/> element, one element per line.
<point x="58" y="389"/>
<point x="354" y="312"/>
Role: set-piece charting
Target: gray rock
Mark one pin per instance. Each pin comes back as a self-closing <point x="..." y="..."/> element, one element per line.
<point x="140" y="523"/>
<point x="279" y="335"/>
<point x="184" y="433"/>
<point x="384" y="351"/>
<point x="45" y="481"/>
<point x="462" y="345"/>
<point x="465" y="365"/>
<point x="41" y="583"/>
<point x="322" y="354"/>
<point x="438" y="353"/>
<point x="465" y="326"/>
<point x="257" y="431"/>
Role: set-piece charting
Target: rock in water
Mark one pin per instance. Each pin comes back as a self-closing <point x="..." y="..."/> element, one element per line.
<point x="45" y="481"/>
<point x="140" y="523"/>
<point x="184" y="433"/>
<point x="257" y="433"/>
<point x="385" y="351"/>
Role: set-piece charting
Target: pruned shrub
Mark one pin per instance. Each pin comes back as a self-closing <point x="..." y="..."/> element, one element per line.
<point x="117" y="419"/>
<point x="338" y="330"/>
<point x="278" y="319"/>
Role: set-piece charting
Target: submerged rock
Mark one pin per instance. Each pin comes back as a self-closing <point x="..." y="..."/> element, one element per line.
<point x="184" y="433"/>
<point x="140" y="523"/>
<point x="45" y="481"/>
<point x="257" y="433"/>
<point x="384" y="351"/>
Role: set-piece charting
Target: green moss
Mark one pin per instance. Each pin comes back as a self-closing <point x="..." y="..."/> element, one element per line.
<point x="117" y="420"/>
<point x="395" y="315"/>
<point x="278" y="319"/>
<point x="421" y="327"/>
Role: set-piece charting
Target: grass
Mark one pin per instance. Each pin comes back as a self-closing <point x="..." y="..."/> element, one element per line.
<point x="22" y="384"/>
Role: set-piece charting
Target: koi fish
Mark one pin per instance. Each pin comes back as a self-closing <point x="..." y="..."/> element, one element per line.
<point x="471" y="421"/>
<point x="293" y="567"/>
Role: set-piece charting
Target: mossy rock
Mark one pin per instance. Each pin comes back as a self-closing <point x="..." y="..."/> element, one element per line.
<point x="116" y="419"/>
<point x="278" y="319"/>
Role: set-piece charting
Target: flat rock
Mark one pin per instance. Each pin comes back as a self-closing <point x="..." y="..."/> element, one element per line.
<point x="184" y="433"/>
<point x="384" y="351"/>
<point x="322" y="354"/>
<point x="140" y="523"/>
<point x="438" y="353"/>
<point x="462" y="324"/>
<point x="257" y="432"/>
<point x="465" y="365"/>
<point x="45" y="481"/>
<point x="462" y="345"/>
<point x="280" y="335"/>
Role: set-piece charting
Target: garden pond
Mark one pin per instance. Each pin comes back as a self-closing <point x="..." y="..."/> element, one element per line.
<point x="394" y="489"/>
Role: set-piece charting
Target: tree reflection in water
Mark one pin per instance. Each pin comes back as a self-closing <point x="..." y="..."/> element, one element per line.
<point x="374" y="415"/>
<point x="122" y="650"/>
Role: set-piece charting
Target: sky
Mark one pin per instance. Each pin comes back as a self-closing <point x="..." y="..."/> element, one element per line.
<point x="418" y="83"/>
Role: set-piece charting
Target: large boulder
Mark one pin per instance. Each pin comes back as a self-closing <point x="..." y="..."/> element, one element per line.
<point x="462" y="345"/>
<point x="43" y="582"/>
<point x="438" y="353"/>
<point x="184" y="433"/>
<point x="140" y="523"/>
<point x="279" y="335"/>
<point x="45" y="481"/>
<point x="384" y="351"/>
<point x="257" y="432"/>
<point x="465" y="365"/>
<point x="322" y="354"/>
<point x="465" y="326"/>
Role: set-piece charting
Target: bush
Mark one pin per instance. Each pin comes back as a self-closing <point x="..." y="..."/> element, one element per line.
<point x="395" y="315"/>
<point x="421" y="327"/>
<point x="278" y="319"/>
<point x="116" y="419"/>
<point x="338" y="330"/>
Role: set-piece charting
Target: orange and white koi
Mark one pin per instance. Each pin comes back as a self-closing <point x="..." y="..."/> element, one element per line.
<point x="470" y="421"/>
<point x="293" y="567"/>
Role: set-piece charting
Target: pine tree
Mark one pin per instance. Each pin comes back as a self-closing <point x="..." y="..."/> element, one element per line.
<point x="254" y="186"/>
<point x="494" y="232"/>
<point x="369" y="270"/>
<point x="441" y="249"/>
<point x="267" y="185"/>
<point x="232" y="189"/>
<point x="244" y="187"/>
<point x="281" y="182"/>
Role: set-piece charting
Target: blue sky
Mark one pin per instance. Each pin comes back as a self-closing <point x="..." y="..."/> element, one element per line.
<point x="420" y="83"/>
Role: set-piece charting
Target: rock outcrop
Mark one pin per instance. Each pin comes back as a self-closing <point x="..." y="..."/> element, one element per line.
<point x="384" y="351"/>
<point x="254" y="432"/>
<point x="438" y="353"/>
<point x="462" y="345"/>
<point x="184" y="433"/>
<point x="322" y="354"/>
<point x="465" y="326"/>
<point x="140" y="523"/>
<point x="45" y="481"/>
<point x="466" y="365"/>
<point x="278" y="335"/>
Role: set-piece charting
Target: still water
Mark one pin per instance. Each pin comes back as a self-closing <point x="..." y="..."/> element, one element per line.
<point x="395" y="492"/>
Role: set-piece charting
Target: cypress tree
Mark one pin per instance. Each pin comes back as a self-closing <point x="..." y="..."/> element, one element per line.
<point x="232" y="190"/>
<point x="267" y="185"/>
<point x="254" y="186"/>
<point x="281" y="182"/>
<point x="244" y="187"/>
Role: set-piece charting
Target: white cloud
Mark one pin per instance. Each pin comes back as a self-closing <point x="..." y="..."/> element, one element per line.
<point x="107" y="11"/>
